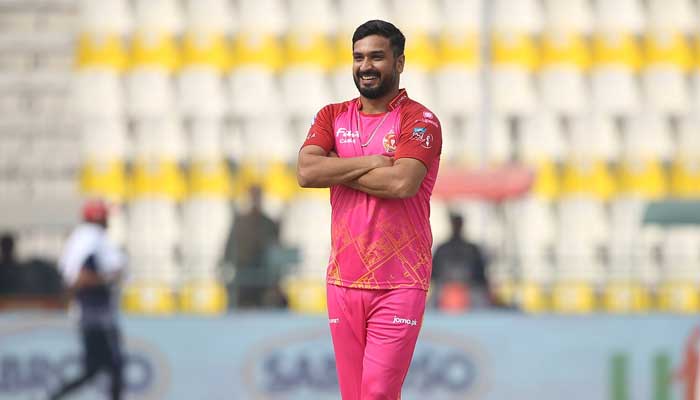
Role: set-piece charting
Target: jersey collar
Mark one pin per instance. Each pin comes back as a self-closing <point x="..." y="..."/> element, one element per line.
<point x="393" y="104"/>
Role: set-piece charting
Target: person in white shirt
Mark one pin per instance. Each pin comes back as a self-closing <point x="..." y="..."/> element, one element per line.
<point x="92" y="267"/>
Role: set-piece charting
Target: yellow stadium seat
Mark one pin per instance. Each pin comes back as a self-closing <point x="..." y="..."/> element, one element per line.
<point x="625" y="296"/>
<point x="679" y="297"/>
<point x="645" y="178"/>
<point x="560" y="48"/>
<point x="421" y="51"/>
<point x="533" y="297"/>
<point x="210" y="177"/>
<point x="199" y="48"/>
<point x="617" y="49"/>
<point x="307" y="296"/>
<point x="312" y="50"/>
<point x="150" y="49"/>
<point x="573" y="297"/>
<point x="102" y="50"/>
<point x="669" y="49"/>
<point x="685" y="178"/>
<point x="206" y="298"/>
<point x="515" y="49"/>
<point x="458" y="50"/>
<point x="149" y="298"/>
<point x="150" y="178"/>
<point x="592" y="177"/>
<point x="505" y="291"/>
<point x="263" y="50"/>
<point x="104" y="179"/>
<point x="280" y="181"/>
<point x="546" y="185"/>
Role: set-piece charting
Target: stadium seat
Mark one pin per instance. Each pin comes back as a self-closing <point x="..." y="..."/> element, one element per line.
<point x="565" y="60"/>
<point x="533" y="297"/>
<point x="201" y="93"/>
<point x="323" y="19"/>
<point x="671" y="15"/>
<point x="304" y="80"/>
<point x="206" y="49"/>
<point x="493" y="148"/>
<point x="632" y="246"/>
<point x="148" y="299"/>
<point x="668" y="57"/>
<point x="541" y="147"/>
<point x="619" y="16"/>
<point x="457" y="74"/>
<point x="157" y="178"/>
<point x="594" y="137"/>
<point x="156" y="138"/>
<point x="678" y="290"/>
<point x="306" y="296"/>
<point x="253" y="84"/>
<point x="107" y="16"/>
<point x="353" y="13"/>
<point x="416" y="15"/>
<point x="151" y="93"/>
<point x="616" y="59"/>
<point x="580" y="177"/>
<point x="155" y="50"/>
<point x="679" y="297"/>
<point x="210" y="177"/>
<point x="523" y="16"/>
<point x="103" y="139"/>
<point x="626" y="297"/>
<point x="206" y="139"/>
<point x="573" y="298"/>
<point x="303" y="220"/>
<point x="685" y="168"/>
<point x="101" y="50"/>
<point x="158" y="16"/>
<point x="203" y="297"/>
<point x="646" y="144"/>
<point x="104" y="178"/>
<point x="103" y="84"/>
<point x="270" y="138"/>
<point x="209" y="17"/>
<point x="421" y="60"/>
<point x="263" y="16"/>
<point x="462" y="15"/>
<point x="573" y="16"/>
<point x="206" y="221"/>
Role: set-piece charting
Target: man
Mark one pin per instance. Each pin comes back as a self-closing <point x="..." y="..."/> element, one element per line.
<point x="92" y="267"/>
<point x="460" y="261"/>
<point x="9" y="268"/>
<point x="252" y="236"/>
<point x="379" y="154"/>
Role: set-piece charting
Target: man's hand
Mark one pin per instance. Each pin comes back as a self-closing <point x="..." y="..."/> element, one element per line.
<point x="377" y="160"/>
<point x="317" y="168"/>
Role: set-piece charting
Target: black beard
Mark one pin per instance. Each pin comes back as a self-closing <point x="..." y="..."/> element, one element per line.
<point x="376" y="92"/>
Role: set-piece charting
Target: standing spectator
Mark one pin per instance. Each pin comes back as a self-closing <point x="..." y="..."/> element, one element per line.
<point x="92" y="267"/>
<point x="461" y="262"/>
<point x="9" y="268"/>
<point x="252" y="236"/>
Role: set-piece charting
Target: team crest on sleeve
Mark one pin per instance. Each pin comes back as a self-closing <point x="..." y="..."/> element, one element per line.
<point x="421" y="135"/>
<point x="390" y="142"/>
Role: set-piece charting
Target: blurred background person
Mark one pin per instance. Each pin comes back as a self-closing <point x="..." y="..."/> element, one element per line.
<point x="459" y="271"/>
<point x="92" y="267"/>
<point x="9" y="268"/>
<point x="252" y="237"/>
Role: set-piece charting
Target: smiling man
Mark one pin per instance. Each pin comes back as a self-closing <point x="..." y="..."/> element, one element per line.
<point x="379" y="154"/>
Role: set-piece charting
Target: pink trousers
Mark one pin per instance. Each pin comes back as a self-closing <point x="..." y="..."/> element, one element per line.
<point x="374" y="334"/>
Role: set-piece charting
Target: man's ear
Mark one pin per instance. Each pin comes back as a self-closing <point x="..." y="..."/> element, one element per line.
<point x="400" y="63"/>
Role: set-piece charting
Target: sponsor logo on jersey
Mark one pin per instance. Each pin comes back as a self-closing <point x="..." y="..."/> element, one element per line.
<point x="405" y="321"/>
<point x="347" y="136"/>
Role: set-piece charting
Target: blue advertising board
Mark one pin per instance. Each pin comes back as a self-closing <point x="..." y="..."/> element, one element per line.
<point x="271" y="356"/>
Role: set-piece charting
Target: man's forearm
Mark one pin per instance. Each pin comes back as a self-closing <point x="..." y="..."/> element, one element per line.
<point x="322" y="171"/>
<point x="380" y="182"/>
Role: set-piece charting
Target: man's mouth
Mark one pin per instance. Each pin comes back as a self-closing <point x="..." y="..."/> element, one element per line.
<point x="369" y="78"/>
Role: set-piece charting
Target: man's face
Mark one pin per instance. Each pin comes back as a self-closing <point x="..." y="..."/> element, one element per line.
<point x="374" y="68"/>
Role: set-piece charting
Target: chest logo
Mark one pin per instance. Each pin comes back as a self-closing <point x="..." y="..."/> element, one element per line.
<point x="390" y="142"/>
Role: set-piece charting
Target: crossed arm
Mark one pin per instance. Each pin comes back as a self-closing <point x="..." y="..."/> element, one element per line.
<point x="376" y="175"/>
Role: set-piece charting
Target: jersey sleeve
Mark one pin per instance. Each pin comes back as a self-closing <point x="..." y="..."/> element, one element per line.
<point x="420" y="137"/>
<point x="321" y="130"/>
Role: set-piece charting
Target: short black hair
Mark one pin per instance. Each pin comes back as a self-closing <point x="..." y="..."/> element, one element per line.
<point x="382" y="28"/>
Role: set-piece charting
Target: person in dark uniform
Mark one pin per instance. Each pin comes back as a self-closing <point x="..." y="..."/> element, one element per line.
<point x="92" y="267"/>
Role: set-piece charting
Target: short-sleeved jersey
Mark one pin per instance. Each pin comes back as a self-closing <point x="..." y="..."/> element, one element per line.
<point x="380" y="243"/>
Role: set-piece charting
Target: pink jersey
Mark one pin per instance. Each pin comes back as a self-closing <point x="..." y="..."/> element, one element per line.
<point x="380" y="243"/>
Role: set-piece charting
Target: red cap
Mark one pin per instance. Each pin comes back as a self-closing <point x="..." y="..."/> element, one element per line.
<point x="95" y="210"/>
